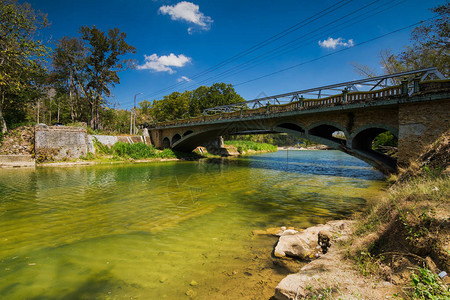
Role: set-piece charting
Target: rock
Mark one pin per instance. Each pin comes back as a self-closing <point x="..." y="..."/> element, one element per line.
<point x="287" y="232"/>
<point x="324" y="240"/>
<point x="277" y="231"/>
<point x="297" y="246"/>
<point x="193" y="283"/>
<point x="191" y="293"/>
<point x="302" y="244"/>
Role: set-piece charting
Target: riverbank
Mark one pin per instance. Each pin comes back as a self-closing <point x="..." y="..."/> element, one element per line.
<point x="314" y="147"/>
<point x="399" y="248"/>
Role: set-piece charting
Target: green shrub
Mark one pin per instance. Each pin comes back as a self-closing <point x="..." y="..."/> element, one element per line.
<point x="384" y="139"/>
<point x="167" y="153"/>
<point x="100" y="148"/>
<point x="426" y="285"/>
<point x="244" y="146"/>
<point x="135" y="151"/>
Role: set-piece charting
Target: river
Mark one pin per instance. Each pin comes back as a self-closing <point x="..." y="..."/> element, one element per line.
<point x="169" y="230"/>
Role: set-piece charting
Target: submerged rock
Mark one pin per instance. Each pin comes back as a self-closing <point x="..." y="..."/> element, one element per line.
<point x="303" y="245"/>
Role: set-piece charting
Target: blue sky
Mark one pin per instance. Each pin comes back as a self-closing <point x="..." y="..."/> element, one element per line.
<point x="178" y="40"/>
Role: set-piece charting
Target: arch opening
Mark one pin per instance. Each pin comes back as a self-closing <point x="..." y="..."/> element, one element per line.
<point x="378" y="140"/>
<point x="176" y="138"/>
<point x="165" y="143"/>
<point x="291" y="126"/>
<point x="187" y="133"/>
<point x="329" y="132"/>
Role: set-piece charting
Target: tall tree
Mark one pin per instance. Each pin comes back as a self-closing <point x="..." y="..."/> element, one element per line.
<point x="178" y="105"/>
<point x="21" y="54"/>
<point x="103" y="62"/>
<point x="431" y="43"/>
<point x="430" y="48"/>
<point x="69" y="60"/>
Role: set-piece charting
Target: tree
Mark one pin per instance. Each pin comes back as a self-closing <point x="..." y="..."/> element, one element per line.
<point x="216" y="95"/>
<point x="431" y="43"/>
<point x="21" y="54"/>
<point x="173" y="106"/>
<point x="69" y="60"/>
<point x="430" y="48"/>
<point x="102" y="65"/>
<point x="179" y="105"/>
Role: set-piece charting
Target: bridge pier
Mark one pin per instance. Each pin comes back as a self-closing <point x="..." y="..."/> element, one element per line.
<point x="420" y="124"/>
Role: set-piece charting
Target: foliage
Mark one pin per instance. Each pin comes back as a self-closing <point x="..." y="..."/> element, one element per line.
<point x="367" y="264"/>
<point x="167" y="153"/>
<point x="192" y="103"/>
<point x="429" y="48"/>
<point x="69" y="60"/>
<point x="102" y="65"/>
<point x="245" y="146"/>
<point x="21" y="56"/>
<point x="384" y="139"/>
<point x="427" y="285"/>
<point x="279" y="140"/>
<point x="135" y="151"/>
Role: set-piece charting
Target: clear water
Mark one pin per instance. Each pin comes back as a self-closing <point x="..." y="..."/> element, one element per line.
<point x="173" y="230"/>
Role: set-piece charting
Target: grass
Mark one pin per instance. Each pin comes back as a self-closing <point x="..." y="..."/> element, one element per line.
<point x="415" y="201"/>
<point x="244" y="146"/>
<point x="132" y="151"/>
<point x="411" y="212"/>
<point x="426" y="285"/>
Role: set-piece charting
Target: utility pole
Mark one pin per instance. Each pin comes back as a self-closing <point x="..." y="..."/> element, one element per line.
<point x="134" y="114"/>
<point x="131" y="122"/>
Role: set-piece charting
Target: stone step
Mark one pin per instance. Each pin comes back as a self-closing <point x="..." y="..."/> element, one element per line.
<point x="13" y="161"/>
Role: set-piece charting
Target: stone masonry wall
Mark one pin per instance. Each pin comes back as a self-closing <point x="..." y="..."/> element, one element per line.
<point x="420" y="124"/>
<point x="109" y="140"/>
<point x="59" y="142"/>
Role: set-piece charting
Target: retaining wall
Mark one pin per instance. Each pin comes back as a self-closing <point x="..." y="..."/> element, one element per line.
<point x="59" y="142"/>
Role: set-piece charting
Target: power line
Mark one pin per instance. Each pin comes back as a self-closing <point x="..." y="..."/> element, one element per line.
<point x="285" y="45"/>
<point x="265" y="57"/>
<point x="262" y="44"/>
<point x="332" y="53"/>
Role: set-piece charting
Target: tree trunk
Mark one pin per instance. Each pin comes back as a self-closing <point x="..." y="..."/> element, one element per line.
<point x="72" y="114"/>
<point x="38" y="104"/>
<point x="92" y="115"/>
<point x="97" y="114"/>
<point x="2" y="120"/>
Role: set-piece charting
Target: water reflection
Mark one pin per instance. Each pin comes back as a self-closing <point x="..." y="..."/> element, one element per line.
<point x="148" y="230"/>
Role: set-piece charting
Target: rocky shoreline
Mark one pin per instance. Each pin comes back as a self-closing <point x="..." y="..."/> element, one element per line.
<point x="327" y="275"/>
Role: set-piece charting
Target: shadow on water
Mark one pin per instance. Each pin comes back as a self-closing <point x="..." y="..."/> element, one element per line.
<point x="97" y="286"/>
<point x="335" y="164"/>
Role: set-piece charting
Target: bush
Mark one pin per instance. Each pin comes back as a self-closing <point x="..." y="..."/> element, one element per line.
<point x="167" y="153"/>
<point x="426" y="285"/>
<point x="135" y="151"/>
<point x="244" y="146"/>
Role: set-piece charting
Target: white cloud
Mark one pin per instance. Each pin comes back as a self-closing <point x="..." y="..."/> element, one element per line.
<point x="333" y="43"/>
<point x="184" y="78"/>
<point x="164" y="63"/>
<point x="189" y="12"/>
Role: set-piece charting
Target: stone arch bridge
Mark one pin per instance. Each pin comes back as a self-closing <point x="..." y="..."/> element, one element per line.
<point x="416" y="112"/>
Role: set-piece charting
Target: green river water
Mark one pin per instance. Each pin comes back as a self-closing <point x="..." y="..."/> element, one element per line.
<point x="168" y="230"/>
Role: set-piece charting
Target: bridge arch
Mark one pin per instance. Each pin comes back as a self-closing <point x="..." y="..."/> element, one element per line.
<point x="165" y="143"/>
<point x="187" y="133"/>
<point x="323" y="132"/>
<point x="290" y="128"/>
<point x="176" y="138"/>
<point x="363" y="137"/>
<point x="190" y="141"/>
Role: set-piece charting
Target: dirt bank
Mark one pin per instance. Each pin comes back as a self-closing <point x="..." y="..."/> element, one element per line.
<point x="399" y="248"/>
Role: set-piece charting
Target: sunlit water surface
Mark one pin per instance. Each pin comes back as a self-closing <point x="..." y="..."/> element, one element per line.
<point x="166" y="230"/>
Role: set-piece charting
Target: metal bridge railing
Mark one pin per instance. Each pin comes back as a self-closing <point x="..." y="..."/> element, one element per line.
<point x="349" y="92"/>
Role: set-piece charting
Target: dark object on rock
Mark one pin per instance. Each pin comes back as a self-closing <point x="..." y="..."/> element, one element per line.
<point x="324" y="240"/>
